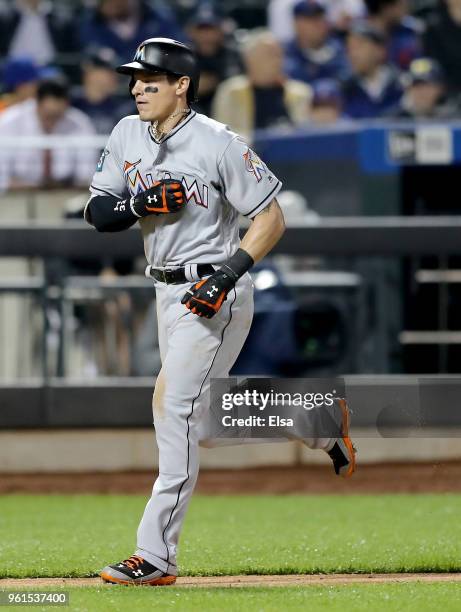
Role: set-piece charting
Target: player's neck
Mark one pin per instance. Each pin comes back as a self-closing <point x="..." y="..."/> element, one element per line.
<point x="161" y="128"/>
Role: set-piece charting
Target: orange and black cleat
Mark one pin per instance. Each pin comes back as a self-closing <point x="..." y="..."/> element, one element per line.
<point x="343" y="451"/>
<point x="136" y="571"/>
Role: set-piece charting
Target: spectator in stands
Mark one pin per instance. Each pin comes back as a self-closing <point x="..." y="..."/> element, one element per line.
<point x="442" y="41"/>
<point x="313" y="53"/>
<point x="403" y="31"/>
<point x="327" y="102"/>
<point x="20" y="78"/>
<point x="122" y="24"/>
<point x="425" y="93"/>
<point x="48" y="114"/>
<point x="373" y="87"/>
<point x="98" y="96"/>
<point x="340" y="12"/>
<point x="263" y="97"/>
<point x="218" y="58"/>
<point x="343" y="13"/>
<point x="37" y="29"/>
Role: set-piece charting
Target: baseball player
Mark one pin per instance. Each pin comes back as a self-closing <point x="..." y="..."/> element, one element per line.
<point x="185" y="179"/>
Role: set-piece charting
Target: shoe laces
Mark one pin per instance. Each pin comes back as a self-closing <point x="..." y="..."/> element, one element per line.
<point x="133" y="562"/>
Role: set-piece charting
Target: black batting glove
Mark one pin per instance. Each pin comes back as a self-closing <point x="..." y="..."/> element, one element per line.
<point x="206" y="297"/>
<point x="163" y="198"/>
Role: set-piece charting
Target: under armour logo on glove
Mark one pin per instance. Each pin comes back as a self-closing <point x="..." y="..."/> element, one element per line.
<point x="164" y="197"/>
<point x="206" y="297"/>
<point x="213" y="290"/>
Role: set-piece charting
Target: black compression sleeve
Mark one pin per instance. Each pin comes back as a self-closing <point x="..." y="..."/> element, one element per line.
<point x="108" y="214"/>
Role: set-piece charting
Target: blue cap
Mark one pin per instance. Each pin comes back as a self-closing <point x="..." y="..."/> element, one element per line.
<point x="425" y="70"/>
<point x="309" y="8"/>
<point x="19" y="70"/>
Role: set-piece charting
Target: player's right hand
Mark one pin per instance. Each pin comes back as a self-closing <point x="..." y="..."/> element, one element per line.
<point x="163" y="198"/>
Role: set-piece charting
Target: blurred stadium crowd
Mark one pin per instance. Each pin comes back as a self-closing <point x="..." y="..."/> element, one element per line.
<point x="264" y="65"/>
<point x="277" y="65"/>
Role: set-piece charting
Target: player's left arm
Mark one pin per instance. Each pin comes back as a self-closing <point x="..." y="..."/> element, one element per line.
<point x="264" y="232"/>
<point x="206" y="297"/>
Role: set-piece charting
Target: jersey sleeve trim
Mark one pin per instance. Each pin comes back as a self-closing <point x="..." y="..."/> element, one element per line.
<point x="257" y="209"/>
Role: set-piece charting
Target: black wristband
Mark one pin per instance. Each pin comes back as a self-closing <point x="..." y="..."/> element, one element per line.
<point x="238" y="264"/>
<point x="138" y="205"/>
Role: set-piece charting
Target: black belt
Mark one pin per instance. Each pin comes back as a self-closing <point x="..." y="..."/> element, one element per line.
<point x="177" y="275"/>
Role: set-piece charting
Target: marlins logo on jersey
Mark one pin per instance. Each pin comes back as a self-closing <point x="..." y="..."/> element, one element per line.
<point x="137" y="183"/>
<point x="134" y="179"/>
<point x="253" y="164"/>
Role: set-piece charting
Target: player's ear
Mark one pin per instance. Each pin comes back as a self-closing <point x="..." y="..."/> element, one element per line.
<point x="183" y="85"/>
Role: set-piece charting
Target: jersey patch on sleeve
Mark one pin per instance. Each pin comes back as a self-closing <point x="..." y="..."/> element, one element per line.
<point x="254" y="165"/>
<point x="102" y="159"/>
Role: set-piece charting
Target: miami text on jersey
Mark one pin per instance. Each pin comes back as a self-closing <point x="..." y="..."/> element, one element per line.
<point x="192" y="189"/>
<point x="137" y="183"/>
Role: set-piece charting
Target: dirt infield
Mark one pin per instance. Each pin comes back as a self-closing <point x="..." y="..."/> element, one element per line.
<point x="377" y="478"/>
<point x="242" y="581"/>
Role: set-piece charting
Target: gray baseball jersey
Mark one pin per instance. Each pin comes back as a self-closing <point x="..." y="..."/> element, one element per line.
<point x="222" y="177"/>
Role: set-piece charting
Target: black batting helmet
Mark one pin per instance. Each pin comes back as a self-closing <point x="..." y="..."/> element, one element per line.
<point x="165" y="55"/>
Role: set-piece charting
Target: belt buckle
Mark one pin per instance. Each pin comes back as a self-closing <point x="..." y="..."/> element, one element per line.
<point x="167" y="276"/>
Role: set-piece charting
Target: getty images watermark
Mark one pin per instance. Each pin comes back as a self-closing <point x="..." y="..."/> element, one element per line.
<point x="275" y="408"/>
<point x="261" y="401"/>
<point x="381" y="406"/>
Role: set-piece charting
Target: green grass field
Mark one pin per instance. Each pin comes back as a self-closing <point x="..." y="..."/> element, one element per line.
<point x="62" y="535"/>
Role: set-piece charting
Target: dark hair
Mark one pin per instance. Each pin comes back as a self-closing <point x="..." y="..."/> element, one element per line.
<point x="53" y="89"/>
<point x="374" y="7"/>
<point x="172" y="78"/>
